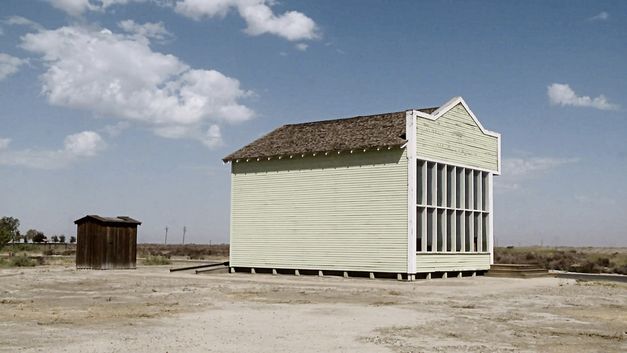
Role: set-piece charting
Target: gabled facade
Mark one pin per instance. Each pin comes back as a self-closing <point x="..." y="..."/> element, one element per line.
<point x="402" y="193"/>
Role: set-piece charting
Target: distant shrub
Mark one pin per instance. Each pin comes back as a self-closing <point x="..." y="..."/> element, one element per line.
<point x="621" y="270"/>
<point x="48" y="252"/>
<point x="22" y="261"/>
<point x="603" y="261"/>
<point x="157" y="260"/>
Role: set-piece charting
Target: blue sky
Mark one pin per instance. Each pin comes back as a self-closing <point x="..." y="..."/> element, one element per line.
<point x="125" y="107"/>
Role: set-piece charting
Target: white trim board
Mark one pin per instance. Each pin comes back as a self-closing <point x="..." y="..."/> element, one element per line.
<point x="410" y="125"/>
<point x="439" y="161"/>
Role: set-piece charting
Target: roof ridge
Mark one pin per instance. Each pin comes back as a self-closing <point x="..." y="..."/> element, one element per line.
<point x="344" y="119"/>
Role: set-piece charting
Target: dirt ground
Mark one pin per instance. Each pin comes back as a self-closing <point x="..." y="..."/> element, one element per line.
<point x="60" y="309"/>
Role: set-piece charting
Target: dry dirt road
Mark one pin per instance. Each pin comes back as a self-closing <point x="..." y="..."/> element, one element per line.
<point x="59" y="309"/>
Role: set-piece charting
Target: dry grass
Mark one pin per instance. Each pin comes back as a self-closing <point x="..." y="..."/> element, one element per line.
<point x="22" y="260"/>
<point x="156" y="260"/>
<point x="192" y="251"/>
<point x="586" y="260"/>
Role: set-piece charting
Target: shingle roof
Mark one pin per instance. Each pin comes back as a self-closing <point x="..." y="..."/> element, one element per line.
<point x="109" y="220"/>
<point x="329" y="135"/>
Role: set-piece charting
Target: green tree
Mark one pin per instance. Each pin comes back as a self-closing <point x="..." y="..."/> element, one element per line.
<point x="30" y="235"/>
<point x="40" y="237"/>
<point x="54" y="239"/>
<point x="72" y="239"/>
<point x="62" y="238"/>
<point x="17" y="237"/>
<point x="8" y="230"/>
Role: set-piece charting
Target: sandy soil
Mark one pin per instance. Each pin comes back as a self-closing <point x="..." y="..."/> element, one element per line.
<point x="59" y="309"/>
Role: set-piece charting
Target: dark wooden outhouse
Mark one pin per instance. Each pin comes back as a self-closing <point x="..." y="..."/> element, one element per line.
<point x="105" y="243"/>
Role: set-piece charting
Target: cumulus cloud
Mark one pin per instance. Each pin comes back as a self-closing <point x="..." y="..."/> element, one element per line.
<point x="152" y="30"/>
<point x="9" y="65"/>
<point x="78" y="146"/>
<point x="258" y="14"/>
<point x="520" y="169"/>
<point x="562" y="94"/>
<point x="601" y="16"/>
<point x="302" y="46"/>
<point x="120" y="76"/>
<point x="78" y="7"/>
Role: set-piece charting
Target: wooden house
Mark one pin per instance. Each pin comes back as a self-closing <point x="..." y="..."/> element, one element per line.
<point x="105" y="243"/>
<point x="405" y="194"/>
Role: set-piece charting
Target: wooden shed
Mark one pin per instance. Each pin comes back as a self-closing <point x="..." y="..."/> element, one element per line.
<point x="407" y="193"/>
<point x="105" y="243"/>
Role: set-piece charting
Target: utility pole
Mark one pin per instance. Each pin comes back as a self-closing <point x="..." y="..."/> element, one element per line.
<point x="166" y="235"/>
<point x="184" y="231"/>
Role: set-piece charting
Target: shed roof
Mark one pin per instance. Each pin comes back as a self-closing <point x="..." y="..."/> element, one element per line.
<point x="358" y="132"/>
<point x="119" y="220"/>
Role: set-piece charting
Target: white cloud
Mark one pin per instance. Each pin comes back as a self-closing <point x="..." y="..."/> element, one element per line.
<point x="22" y="21"/>
<point x="602" y="16"/>
<point x="4" y="143"/>
<point x="154" y="30"/>
<point x="76" y="146"/>
<point x="258" y="14"/>
<point x="562" y="94"/>
<point x="86" y="143"/>
<point x="9" y="65"/>
<point x="120" y="76"/>
<point x="515" y="171"/>
<point x="213" y="137"/>
<point x="302" y="46"/>
<point x="73" y="7"/>
<point x="526" y="167"/>
<point x="117" y="128"/>
<point x="78" y="7"/>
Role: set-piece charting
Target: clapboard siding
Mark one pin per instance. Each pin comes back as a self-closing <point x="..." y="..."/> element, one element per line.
<point x="343" y="212"/>
<point x="455" y="138"/>
<point x="452" y="262"/>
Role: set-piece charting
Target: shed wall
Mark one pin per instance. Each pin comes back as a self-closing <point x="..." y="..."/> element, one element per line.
<point x="343" y="212"/>
<point x="105" y="247"/>
<point x="452" y="262"/>
<point x="455" y="138"/>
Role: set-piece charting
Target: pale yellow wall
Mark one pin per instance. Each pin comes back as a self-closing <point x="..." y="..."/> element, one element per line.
<point x="455" y="138"/>
<point x="452" y="262"/>
<point x="346" y="212"/>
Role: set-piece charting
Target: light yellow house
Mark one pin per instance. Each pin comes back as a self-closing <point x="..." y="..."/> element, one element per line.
<point x="404" y="194"/>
